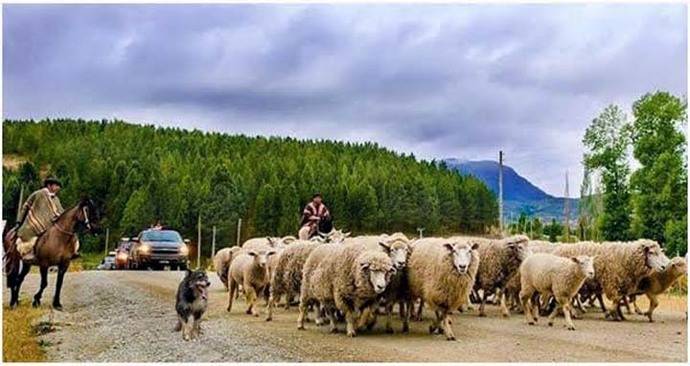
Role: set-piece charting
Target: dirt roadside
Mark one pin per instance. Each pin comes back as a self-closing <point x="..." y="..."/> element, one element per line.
<point x="128" y="316"/>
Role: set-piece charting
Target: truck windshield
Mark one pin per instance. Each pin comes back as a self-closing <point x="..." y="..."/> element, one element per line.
<point x="161" y="235"/>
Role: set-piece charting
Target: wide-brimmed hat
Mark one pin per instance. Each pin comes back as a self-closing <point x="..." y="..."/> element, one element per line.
<point x="51" y="180"/>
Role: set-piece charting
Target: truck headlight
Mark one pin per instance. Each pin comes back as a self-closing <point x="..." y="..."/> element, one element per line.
<point x="122" y="256"/>
<point x="145" y="249"/>
<point x="184" y="250"/>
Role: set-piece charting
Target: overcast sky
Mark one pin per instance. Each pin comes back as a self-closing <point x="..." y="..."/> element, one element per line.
<point x="439" y="81"/>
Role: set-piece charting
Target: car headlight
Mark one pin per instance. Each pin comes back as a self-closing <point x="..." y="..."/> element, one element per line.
<point x="145" y="249"/>
<point x="184" y="250"/>
<point x="122" y="256"/>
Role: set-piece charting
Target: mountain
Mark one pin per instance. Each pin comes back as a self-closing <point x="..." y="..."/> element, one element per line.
<point x="519" y="194"/>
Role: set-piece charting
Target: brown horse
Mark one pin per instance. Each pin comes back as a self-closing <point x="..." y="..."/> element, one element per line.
<point x="55" y="247"/>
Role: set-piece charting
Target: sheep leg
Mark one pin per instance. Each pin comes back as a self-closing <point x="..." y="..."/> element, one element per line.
<point x="526" y="300"/>
<point x="321" y="315"/>
<point x="331" y="316"/>
<point x="653" y="303"/>
<point x="231" y="293"/>
<point x="351" y="320"/>
<point x="418" y="317"/>
<point x="436" y="327"/>
<point x="504" y="308"/>
<point x="364" y="317"/>
<point x="638" y="311"/>
<point x="251" y="297"/>
<point x="389" y="318"/>
<point x="302" y="311"/>
<point x="288" y="298"/>
<point x="481" y="306"/>
<point x="615" y="313"/>
<point x="627" y="305"/>
<point x="271" y="304"/>
<point x="600" y="298"/>
<point x="553" y="313"/>
<point x="447" y="329"/>
<point x="405" y="318"/>
<point x="566" y="312"/>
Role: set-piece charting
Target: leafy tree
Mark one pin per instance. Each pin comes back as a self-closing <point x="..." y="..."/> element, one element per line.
<point x="606" y="141"/>
<point x="659" y="186"/>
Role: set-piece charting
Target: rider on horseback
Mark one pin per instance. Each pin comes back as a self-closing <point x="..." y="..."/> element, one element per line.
<point x="37" y="214"/>
<point x="314" y="212"/>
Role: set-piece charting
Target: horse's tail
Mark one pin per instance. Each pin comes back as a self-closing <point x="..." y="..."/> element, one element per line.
<point x="11" y="259"/>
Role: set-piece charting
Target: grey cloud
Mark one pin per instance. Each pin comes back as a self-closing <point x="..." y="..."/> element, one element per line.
<point x="434" y="80"/>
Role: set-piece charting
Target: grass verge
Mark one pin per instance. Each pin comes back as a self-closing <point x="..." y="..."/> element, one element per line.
<point x="19" y="335"/>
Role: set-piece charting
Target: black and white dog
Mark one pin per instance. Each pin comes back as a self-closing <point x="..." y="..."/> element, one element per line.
<point x="191" y="304"/>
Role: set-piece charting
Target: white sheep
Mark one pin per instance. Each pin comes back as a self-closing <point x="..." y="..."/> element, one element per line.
<point x="548" y="274"/>
<point x="442" y="273"/>
<point x="250" y="269"/>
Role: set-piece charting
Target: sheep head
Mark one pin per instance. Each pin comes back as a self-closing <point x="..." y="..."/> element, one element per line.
<point x="375" y="269"/>
<point x="586" y="265"/>
<point x="261" y="256"/>
<point x="517" y="245"/>
<point x="460" y="254"/>
<point x="655" y="258"/>
<point x="398" y="250"/>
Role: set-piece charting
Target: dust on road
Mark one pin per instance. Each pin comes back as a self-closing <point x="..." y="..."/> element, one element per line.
<point x="128" y="317"/>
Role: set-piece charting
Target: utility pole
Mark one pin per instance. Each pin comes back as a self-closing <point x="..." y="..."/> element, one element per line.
<point x="421" y="232"/>
<point x="213" y="243"/>
<point x="566" y="209"/>
<point x="107" y="236"/>
<point x="239" y="230"/>
<point x="198" y="241"/>
<point x="500" y="191"/>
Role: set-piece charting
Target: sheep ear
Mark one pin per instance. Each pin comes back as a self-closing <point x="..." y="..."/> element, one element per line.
<point x="347" y="234"/>
<point x="574" y="259"/>
<point x="449" y="246"/>
<point x="289" y="239"/>
<point x="364" y="266"/>
<point x="386" y="247"/>
<point x="475" y="246"/>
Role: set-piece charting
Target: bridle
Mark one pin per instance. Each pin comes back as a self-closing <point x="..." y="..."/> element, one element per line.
<point x="71" y="233"/>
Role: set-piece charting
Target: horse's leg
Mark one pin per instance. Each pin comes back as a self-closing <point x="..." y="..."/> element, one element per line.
<point x="62" y="268"/>
<point x="16" y="284"/>
<point x="44" y="284"/>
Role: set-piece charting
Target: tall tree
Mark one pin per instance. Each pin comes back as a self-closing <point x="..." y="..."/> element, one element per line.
<point x="659" y="185"/>
<point x="606" y="141"/>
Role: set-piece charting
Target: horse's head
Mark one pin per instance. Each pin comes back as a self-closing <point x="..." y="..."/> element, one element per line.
<point x="88" y="215"/>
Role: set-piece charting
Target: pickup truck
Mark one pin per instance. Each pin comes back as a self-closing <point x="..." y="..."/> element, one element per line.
<point x="155" y="249"/>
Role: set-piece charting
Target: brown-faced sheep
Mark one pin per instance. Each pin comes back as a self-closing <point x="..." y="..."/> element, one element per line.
<point x="250" y="269"/>
<point x="350" y="278"/>
<point x="500" y="260"/>
<point x="657" y="283"/>
<point x="548" y="275"/>
<point x="442" y="274"/>
<point x="286" y="279"/>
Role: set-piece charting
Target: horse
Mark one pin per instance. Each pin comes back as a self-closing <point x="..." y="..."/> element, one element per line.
<point x="55" y="247"/>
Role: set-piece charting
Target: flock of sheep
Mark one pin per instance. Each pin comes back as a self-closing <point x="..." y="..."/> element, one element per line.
<point x="357" y="278"/>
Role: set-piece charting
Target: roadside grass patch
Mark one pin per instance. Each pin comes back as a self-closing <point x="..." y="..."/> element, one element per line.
<point x="19" y="337"/>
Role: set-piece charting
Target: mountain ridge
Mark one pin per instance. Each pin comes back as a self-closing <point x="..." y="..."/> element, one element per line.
<point x="519" y="194"/>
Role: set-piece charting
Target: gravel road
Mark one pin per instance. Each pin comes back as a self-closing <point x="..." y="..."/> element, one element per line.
<point x="128" y="317"/>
